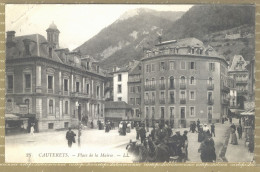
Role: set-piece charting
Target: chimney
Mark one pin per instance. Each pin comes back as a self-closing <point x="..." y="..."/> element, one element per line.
<point x="10" y="36"/>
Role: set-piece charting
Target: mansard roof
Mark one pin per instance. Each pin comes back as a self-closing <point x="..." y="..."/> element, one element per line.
<point x="131" y="67"/>
<point x="187" y="43"/>
<point x="38" y="47"/>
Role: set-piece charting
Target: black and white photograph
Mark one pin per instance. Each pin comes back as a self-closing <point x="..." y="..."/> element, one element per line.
<point x="129" y="83"/>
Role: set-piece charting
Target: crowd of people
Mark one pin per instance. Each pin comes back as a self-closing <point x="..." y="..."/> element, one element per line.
<point x="161" y="134"/>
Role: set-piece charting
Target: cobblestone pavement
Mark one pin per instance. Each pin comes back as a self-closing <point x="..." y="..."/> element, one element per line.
<point x="105" y="147"/>
<point x="239" y="153"/>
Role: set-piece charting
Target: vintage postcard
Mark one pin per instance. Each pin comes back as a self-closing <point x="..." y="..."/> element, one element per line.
<point x="128" y="83"/>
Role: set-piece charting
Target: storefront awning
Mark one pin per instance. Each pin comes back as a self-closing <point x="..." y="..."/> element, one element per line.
<point x="248" y="113"/>
<point x="236" y="111"/>
<point x="29" y="115"/>
<point x="11" y="117"/>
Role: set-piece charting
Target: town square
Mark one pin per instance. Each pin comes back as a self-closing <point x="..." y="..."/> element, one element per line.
<point x="151" y="83"/>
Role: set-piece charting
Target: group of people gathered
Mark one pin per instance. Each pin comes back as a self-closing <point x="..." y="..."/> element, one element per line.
<point x="124" y="127"/>
<point x="163" y="134"/>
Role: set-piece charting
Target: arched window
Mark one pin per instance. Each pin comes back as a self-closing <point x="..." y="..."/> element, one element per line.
<point x="146" y="82"/>
<point x="171" y="82"/>
<point x="153" y="82"/>
<point x="210" y="81"/>
<point x="27" y="101"/>
<point x="182" y="80"/>
<point x="162" y="81"/>
<point x="192" y="80"/>
<point x="192" y="50"/>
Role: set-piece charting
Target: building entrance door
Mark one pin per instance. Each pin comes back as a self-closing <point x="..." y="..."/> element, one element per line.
<point x="79" y="112"/>
<point x="183" y="116"/>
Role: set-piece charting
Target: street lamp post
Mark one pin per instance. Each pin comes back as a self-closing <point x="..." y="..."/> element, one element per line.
<point x="79" y="123"/>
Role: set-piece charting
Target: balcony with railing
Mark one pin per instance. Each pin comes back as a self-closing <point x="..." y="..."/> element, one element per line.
<point x="242" y="92"/>
<point x="171" y="101"/>
<point x="182" y="101"/>
<point x="242" y="81"/>
<point x="152" y="101"/>
<point x="225" y="89"/>
<point x="233" y="106"/>
<point x="210" y="101"/>
<point x="210" y="87"/>
<point x="171" y="87"/>
<point x="79" y="95"/>
<point x="146" y="102"/>
<point x="50" y="91"/>
<point x="162" y="100"/>
<point x="147" y="87"/>
<point x="162" y="86"/>
<point x="182" y="86"/>
<point x="225" y="101"/>
<point x="171" y="51"/>
<point x="152" y="87"/>
<point x="66" y="93"/>
<point x="10" y="90"/>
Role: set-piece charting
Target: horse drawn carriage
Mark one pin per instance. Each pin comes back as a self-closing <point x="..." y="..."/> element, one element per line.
<point x="167" y="150"/>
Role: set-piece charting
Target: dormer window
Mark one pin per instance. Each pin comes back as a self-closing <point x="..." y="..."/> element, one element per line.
<point x="97" y="69"/>
<point x="87" y="65"/>
<point x="50" y="52"/>
<point x="201" y="50"/>
<point x="177" y="50"/>
<point x="192" y="50"/>
<point x="27" y="49"/>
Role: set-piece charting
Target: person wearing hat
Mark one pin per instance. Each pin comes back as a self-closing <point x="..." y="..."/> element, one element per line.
<point x="178" y="138"/>
<point x="213" y="129"/>
<point x="185" y="144"/>
<point x="161" y="133"/>
<point x="70" y="136"/>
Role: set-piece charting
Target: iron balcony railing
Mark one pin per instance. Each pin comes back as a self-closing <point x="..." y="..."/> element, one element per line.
<point x="210" y="101"/>
<point x="182" y="101"/>
<point x="162" y="101"/>
<point x="171" y="101"/>
<point x="182" y="86"/>
<point x="210" y="86"/>
<point x="80" y="95"/>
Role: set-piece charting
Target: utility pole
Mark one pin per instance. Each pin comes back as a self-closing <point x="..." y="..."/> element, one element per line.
<point x="79" y="122"/>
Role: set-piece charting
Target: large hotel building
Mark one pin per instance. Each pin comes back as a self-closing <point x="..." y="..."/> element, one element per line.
<point x="49" y="86"/>
<point x="183" y="81"/>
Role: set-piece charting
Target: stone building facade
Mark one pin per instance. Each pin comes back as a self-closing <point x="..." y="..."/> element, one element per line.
<point x="240" y="74"/>
<point x="49" y="86"/>
<point x="183" y="81"/>
<point x="127" y="86"/>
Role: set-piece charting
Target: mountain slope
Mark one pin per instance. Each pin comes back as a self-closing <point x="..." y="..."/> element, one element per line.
<point x="205" y="19"/>
<point x="126" y="38"/>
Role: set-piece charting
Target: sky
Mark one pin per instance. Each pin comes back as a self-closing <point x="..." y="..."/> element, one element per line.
<point x="76" y="23"/>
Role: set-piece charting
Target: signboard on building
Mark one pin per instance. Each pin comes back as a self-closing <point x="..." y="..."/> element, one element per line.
<point x="23" y="109"/>
<point x="249" y="105"/>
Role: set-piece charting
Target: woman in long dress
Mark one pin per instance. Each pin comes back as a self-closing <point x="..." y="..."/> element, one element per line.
<point x="233" y="137"/>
